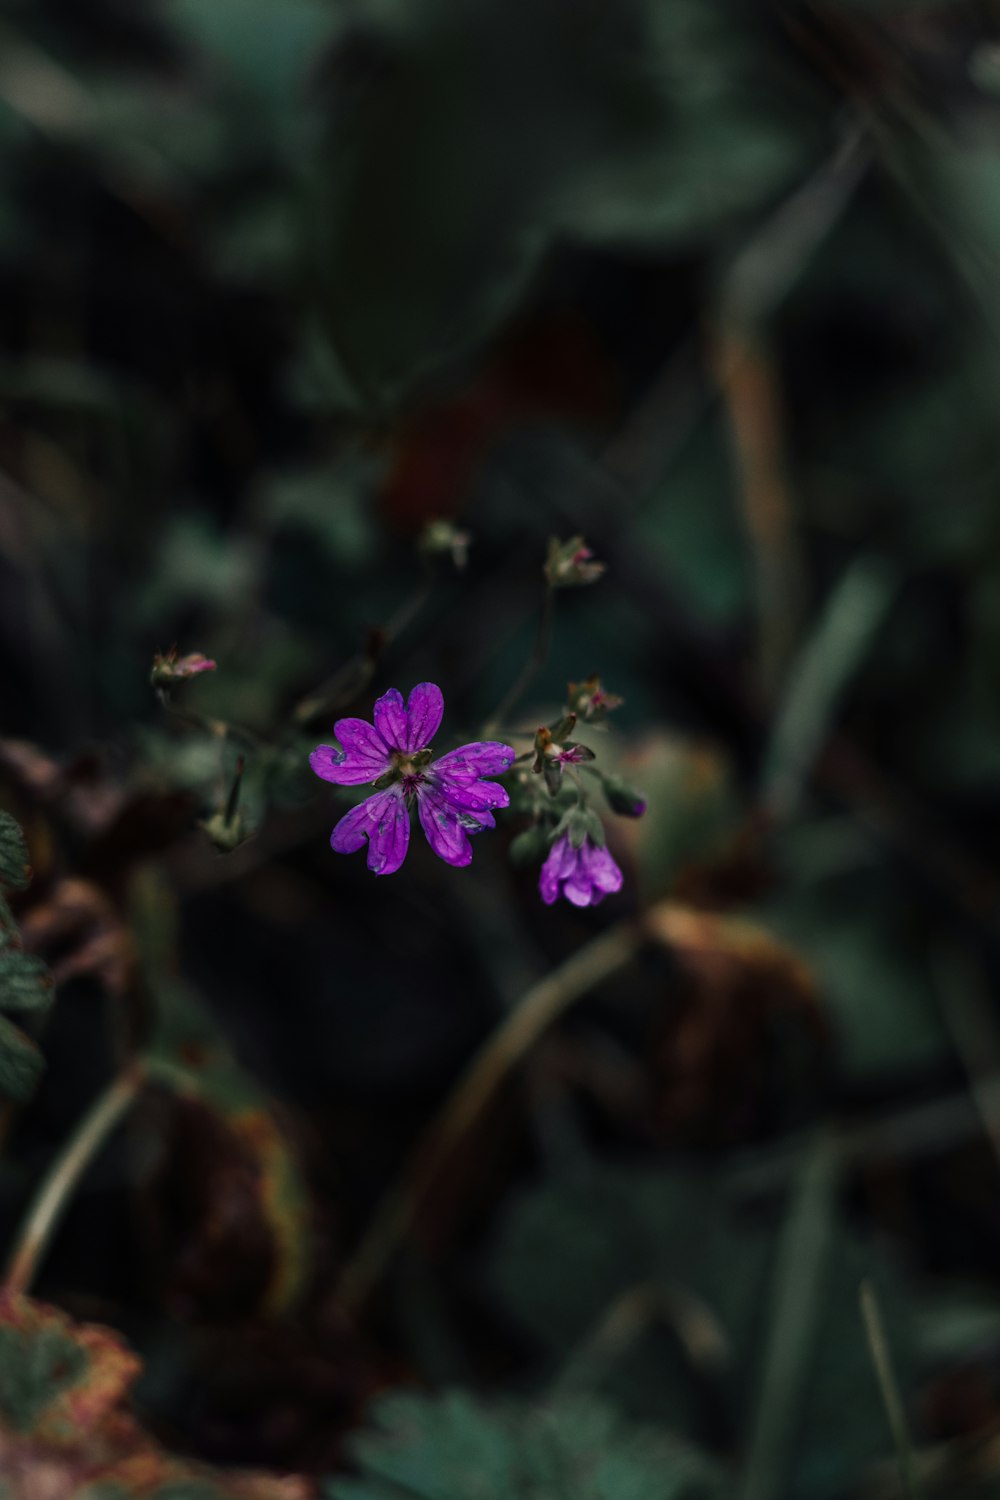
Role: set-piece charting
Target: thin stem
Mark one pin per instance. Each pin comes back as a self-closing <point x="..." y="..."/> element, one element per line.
<point x="533" y="665"/>
<point x="536" y="1012"/>
<point x="63" y="1176"/>
<point x="882" y="1360"/>
<point x="349" y="679"/>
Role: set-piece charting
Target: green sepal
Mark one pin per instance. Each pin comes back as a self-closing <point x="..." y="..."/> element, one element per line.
<point x="580" y="823"/>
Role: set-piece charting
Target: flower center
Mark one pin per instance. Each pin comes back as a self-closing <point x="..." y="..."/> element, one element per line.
<point x="408" y="767"/>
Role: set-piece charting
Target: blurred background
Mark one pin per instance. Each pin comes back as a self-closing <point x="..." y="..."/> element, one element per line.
<point x="287" y="284"/>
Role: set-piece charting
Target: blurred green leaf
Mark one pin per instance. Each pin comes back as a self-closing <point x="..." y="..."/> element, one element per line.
<point x="567" y="1253"/>
<point x="456" y="1448"/>
<point x="25" y="982"/>
<point x="21" y="1063"/>
<point x="15" y="872"/>
<point x="487" y="131"/>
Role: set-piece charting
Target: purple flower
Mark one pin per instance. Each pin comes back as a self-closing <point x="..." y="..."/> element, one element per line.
<point x="584" y="875"/>
<point x="453" y="801"/>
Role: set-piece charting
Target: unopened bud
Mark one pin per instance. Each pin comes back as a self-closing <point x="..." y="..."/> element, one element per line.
<point x="441" y="538"/>
<point x="590" y="700"/>
<point x="570" y="564"/>
<point x="171" y="667"/>
<point x="622" y="798"/>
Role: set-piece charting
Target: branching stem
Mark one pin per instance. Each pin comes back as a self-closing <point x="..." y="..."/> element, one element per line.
<point x="532" y="666"/>
<point x="537" y="1010"/>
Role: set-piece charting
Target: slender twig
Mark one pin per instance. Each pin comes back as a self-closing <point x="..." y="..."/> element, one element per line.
<point x="63" y="1176"/>
<point x="534" y="664"/>
<point x="889" y="1387"/>
<point x="349" y="679"/>
<point x="538" y="1009"/>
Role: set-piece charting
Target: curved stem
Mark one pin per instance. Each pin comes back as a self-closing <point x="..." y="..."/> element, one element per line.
<point x="538" y="1009"/>
<point x="63" y="1176"/>
<point x="535" y="661"/>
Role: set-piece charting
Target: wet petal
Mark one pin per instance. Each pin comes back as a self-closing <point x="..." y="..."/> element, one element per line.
<point x="424" y="708"/>
<point x="391" y="719"/>
<point x="349" y="834"/>
<point x="481" y="758"/>
<point x="389" y="837"/>
<point x="441" y="823"/>
<point x="364" y="756"/>
<point x="473" y="796"/>
<point x="560" y="863"/>
<point x="384" y="821"/>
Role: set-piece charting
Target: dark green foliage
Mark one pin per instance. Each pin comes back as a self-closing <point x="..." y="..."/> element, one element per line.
<point x="25" y="982"/>
<point x="15" y="872"/>
<point x="321" y="320"/>
<point x="456" y="1448"/>
<point x="571" y="1259"/>
<point x="35" y="1366"/>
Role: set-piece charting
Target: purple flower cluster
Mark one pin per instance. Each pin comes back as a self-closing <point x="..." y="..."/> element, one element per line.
<point x="394" y="755"/>
<point x="584" y="875"/>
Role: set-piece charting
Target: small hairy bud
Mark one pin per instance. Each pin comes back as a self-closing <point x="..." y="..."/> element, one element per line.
<point x="571" y="564"/>
<point x="171" y="667"/>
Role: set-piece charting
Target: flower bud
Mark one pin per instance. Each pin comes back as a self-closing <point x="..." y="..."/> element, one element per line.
<point x="590" y="701"/>
<point x="170" y="667"/>
<point x="622" y="798"/>
<point x="225" y="834"/>
<point x="441" y="538"/>
<point x="570" y="564"/>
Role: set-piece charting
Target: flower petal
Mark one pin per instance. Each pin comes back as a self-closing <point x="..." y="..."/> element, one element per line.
<point x="384" y="821"/>
<point x="579" y="890"/>
<point x="349" y="834"/>
<point x="424" y="708"/>
<point x="364" y="756"/>
<point x="441" y="824"/>
<point x="473" y="796"/>
<point x="603" y="872"/>
<point x="391" y="719"/>
<point x="389" y="838"/>
<point x="481" y="758"/>
<point x="560" y="863"/>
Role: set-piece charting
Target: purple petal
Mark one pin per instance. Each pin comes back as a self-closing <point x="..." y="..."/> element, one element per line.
<point x="481" y="758"/>
<point x="560" y="862"/>
<point x="390" y="835"/>
<point x="473" y="796"/>
<point x="424" y="708"/>
<point x="349" y="834"/>
<point x="384" y="821"/>
<point x="578" y="888"/>
<point x="441" y="823"/>
<point x="391" y="719"/>
<point x="364" y="757"/>
<point x="604" y="874"/>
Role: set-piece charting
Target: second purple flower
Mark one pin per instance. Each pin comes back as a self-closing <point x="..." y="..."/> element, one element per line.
<point x="394" y="755"/>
